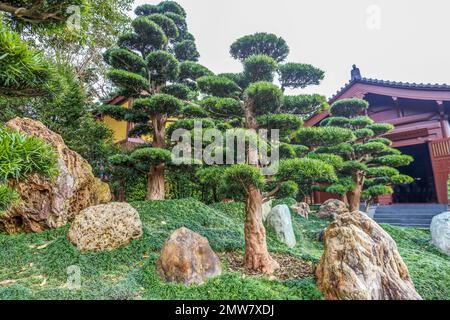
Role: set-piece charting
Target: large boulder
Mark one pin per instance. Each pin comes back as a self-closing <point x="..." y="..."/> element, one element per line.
<point x="361" y="262"/>
<point x="50" y="204"/>
<point x="187" y="258"/>
<point x="105" y="227"/>
<point x="331" y="209"/>
<point x="280" y="221"/>
<point x="440" y="232"/>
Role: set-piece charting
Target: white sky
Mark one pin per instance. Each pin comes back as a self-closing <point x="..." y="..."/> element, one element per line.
<point x="410" y="45"/>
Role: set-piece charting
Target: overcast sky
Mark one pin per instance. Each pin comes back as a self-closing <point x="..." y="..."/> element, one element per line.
<point x="399" y="40"/>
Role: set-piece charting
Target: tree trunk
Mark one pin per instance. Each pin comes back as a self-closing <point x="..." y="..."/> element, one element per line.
<point x="257" y="256"/>
<point x="354" y="196"/>
<point x="155" y="177"/>
<point x="155" y="183"/>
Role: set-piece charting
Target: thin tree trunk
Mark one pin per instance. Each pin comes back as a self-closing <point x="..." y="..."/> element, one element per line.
<point x="257" y="256"/>
<point x="354" y="196"/>
<point x="155" y="183"/>
<point x="155" y="177"/>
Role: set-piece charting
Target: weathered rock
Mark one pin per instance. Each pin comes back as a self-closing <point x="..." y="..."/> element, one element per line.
<point x="105" y="227"/>
<point x="361" y="262"/>
<point x="440" y="232"/>
<point x="51" y="204"/>
<point x="331" y="209"/>
<point x="302" y="208"/>
<point x="266" y="208"/>
<point x="280" y="221"/>
<point x="319" y="235"/>
<point x="186" y="257"/>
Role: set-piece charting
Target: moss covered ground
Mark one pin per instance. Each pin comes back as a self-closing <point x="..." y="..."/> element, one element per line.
<point x="41" y="266"/>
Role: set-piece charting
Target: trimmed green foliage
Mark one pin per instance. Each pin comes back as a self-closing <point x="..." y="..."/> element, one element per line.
<point x="284" y="122"/>
<point x="119" y="58"/>
<point x="349" y="107"/>
<point x="178" y="90"/>
<point x="288" y="189"/>
<point x="162" y="66"/>
<point x="167" y="25"/>
<point x="218" y="86"/>
<point x="151" y="156"/>
<point x="159" y="104"/>
<point x="314" y="137"/>
<point x="259" y="68"/>
<point x="304" y="105"/>
<point x="192" y="110"/>
<point x="299" y="75"/>
<point x="260" y="44"/>
<point x="130" y="81"/>
<point x="190" y="70"/>
<point x="265" y="97"/>
<point x="152" y="34"/>
<point x="222" y="107"/>
<point x="242" y="177"/>
<point x="305" y="171"/>
<point x="186" y="51"/>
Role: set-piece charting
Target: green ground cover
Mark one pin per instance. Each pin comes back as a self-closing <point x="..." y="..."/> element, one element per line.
<point x="35" y="266"/>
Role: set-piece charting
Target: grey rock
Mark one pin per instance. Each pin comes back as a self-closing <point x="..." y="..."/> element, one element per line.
<point x="280" y="221"/>
<point x="440" y="232"/>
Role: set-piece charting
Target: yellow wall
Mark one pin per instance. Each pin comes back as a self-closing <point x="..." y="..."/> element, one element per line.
<point x="119" y="128"/>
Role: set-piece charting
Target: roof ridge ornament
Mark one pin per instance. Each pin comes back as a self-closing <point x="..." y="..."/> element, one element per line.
<point x="355" y="73"/>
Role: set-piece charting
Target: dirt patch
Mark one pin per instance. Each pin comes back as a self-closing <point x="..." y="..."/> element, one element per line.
<point x="290" y="266"/>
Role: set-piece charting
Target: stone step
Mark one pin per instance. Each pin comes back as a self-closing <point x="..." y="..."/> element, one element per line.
<point x="413" y="225"/>
<point x="401" y="214"/>
<point x="389" y="220"/>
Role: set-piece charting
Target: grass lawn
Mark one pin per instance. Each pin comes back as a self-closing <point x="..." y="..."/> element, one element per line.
<point x="35" y="266"/>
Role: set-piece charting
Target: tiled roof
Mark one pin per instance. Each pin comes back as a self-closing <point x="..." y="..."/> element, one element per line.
<point x="392" y="84"/>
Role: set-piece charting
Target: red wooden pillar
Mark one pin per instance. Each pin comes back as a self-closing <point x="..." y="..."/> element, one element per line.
<point x="440" y="161"/>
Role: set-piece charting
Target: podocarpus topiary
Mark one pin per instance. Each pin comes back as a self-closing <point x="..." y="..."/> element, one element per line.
<point x="363" y="157"/>
<point x="155" y="65"/>
<point x="22" y="156"/>
<point x="251" y="101"/>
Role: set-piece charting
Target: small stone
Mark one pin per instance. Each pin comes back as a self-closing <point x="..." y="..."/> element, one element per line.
<point x="187" y="258"/>
<point x="302" y="208"/>
<point x="331" y="209"/>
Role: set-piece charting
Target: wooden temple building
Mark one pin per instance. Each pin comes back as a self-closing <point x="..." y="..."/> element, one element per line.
<point x="420" y="114"/>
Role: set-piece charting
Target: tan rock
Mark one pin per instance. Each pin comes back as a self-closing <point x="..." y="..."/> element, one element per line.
<point x="186" y="257"/>
<point x="51" y="204"/>
<point x="361" y="262"/>
<point x="331" y="209"/>
<point x="302" y="208"/>
<point x="105" y="227"/>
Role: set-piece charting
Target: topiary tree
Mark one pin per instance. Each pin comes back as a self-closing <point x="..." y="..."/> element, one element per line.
<point x="146" y="66"/>
<point x="22" y="156"/>
<point x="251" y="101"/>
<point x="367" y="166"/>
